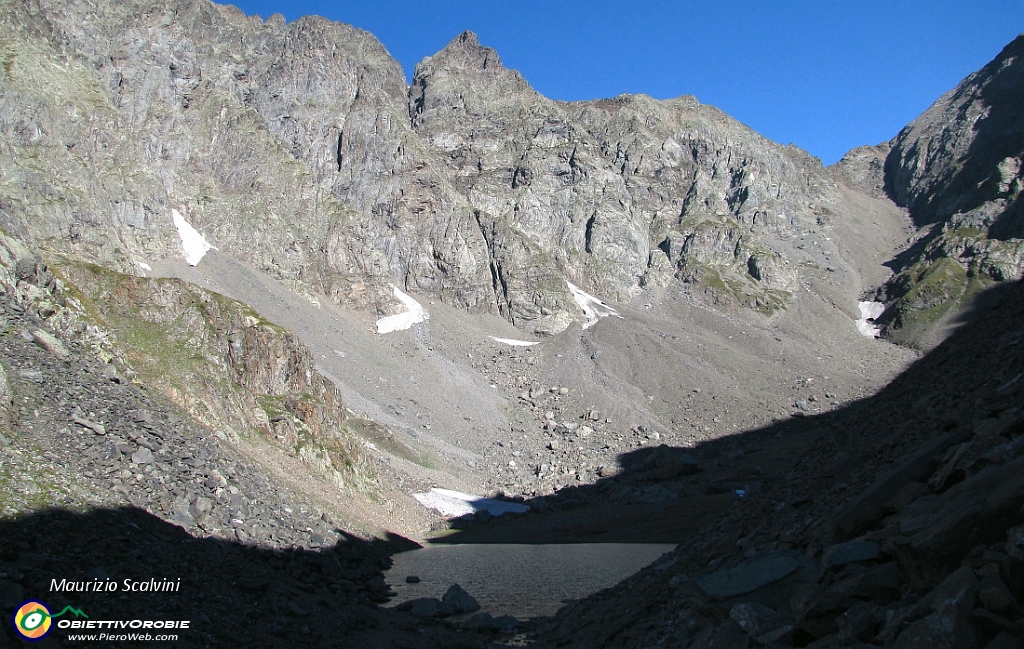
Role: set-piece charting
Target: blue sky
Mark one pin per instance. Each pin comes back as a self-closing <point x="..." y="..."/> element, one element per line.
<point x="826" y="76"/>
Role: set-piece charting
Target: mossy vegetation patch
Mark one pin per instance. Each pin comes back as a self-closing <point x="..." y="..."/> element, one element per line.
<point x="930" y="291"/>
<point x="177" y="337"/>
<point x="732" y="288"/>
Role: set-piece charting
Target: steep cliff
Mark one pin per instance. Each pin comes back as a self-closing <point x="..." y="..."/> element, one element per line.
<point x="113" y="116"/>
<point x="299" y="148"/>
<point x="613" y="194"/>
<point x="957" y="170"/>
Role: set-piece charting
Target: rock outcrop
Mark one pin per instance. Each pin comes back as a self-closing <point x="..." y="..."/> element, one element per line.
<point x="957" y="171"/>
<point x="299" y="148"/>
<point x="225" y="366"/>
<point x="614" y="194"/>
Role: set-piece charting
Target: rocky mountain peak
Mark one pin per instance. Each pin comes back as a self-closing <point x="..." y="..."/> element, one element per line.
<point x="951" y="158"/>
<point x="465" y="52"/>
<point x="465" y="77"/>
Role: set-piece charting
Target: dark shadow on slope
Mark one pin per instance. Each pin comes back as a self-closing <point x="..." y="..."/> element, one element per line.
<point x="1010" y="222"/>
<point x="907" y="258"/>
<point x="233" y="595"/>
<point x="999" y="134"/>
<point x="666" y="494"/>
<point x="768" y="479"/>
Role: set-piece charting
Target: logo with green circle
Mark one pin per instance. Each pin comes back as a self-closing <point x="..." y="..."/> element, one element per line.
<point x="32" y="620"/>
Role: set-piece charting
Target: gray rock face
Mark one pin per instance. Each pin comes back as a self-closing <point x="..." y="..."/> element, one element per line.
<point x="613" y="194"/>
<point x="957" y="169"/>
<point x="864" y="169"/>
<point x="965" y="151"/>
<point x="113" y="116"/>
<point x="299" y="148"/>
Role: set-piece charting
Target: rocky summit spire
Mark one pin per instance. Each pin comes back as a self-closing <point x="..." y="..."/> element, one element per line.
<point x="465" y="52"/>
<point x="464" y="76"/>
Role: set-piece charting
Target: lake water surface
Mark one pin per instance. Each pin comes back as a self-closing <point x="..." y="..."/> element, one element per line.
<point x="520" y="580"/>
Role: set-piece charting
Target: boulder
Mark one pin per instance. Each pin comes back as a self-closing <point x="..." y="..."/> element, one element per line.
<point x="667" y="462"/>
<point x="425" y="607"/>
<point x="849" y="552"/>
<point x="869" y="506"/>
<point x="459" y="600"/>
<point x="487" y="622"/>
<point x="754" y="574"/>
<point x="977" y="511"/>
<point x="996" y="597"/>
<point x="50" y="343"/>
<point x="880" y="584"/>
<point x="142" y="456"/>
<point x="756" y="619"/>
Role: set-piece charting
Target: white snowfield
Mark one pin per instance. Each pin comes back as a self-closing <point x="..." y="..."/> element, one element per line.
<point x="592" y="307"/>
<point x="456" y="503"/>
<point x="194" y="244"/>
<point x="514" y="342"/>
<point x="414" y="314"/>
<point x="144" y="266"/>
<point x="869" y="311"/>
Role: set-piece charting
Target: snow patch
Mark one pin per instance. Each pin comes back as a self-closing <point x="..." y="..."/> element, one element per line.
<point x="592" y="307"/>
<point x="869" y="312"/>
<point x="456" y="503"/>
<point x="144" y="266"/>
<point x="414" y="314"/>
<point x="194" y="244"/>
<point x="514" y="342"/>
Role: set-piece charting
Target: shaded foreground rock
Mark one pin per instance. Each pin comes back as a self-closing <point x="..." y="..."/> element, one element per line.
<point x="920" y="546"/>
<point x="454" y="601"/>
<point x="460" y="601"/>
<point x="754" y="574"/>
<point x="936" y="535"/>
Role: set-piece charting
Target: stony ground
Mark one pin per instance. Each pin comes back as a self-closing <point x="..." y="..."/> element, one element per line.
<point x="849" y="519"/>
<point x="102" y="480"/>
<point x="529" y="421"/>
<point x="857" y="516"/>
